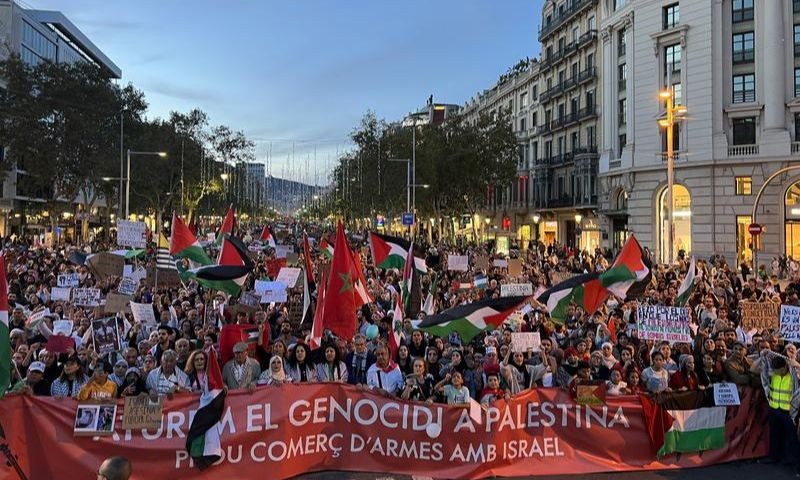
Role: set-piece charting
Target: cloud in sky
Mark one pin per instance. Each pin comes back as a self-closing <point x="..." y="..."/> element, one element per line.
<point x="302" y="73"/>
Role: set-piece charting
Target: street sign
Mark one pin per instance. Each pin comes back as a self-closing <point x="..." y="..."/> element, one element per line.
<point x="408" y="219"/>
<point x="755" y="229"/>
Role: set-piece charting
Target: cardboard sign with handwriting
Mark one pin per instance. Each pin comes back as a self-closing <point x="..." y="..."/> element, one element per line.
<point x="142" y="413"/>
<point x="514" y="267"/>
<point x="116" y="302"/>
<point x="106" y="264"/>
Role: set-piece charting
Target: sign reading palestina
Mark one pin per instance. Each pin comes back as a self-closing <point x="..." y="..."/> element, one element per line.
<point x="295" y="429"/>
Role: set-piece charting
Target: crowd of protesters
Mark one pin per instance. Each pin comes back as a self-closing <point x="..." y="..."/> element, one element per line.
<point x="601" y="346"/>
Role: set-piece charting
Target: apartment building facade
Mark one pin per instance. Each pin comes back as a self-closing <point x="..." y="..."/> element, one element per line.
<point x="36" y="36"/>
<point x="735" y="66"/>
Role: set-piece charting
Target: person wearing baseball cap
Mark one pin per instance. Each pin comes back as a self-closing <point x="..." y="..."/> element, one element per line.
<point x="34" y="383"/>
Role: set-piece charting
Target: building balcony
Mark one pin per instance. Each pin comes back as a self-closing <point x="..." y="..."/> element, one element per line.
<point x="589" y="150"/>
<point x="742" y="150"/>
<point x="795" y="148"/>
<point x="587" y="112"/>
<point x="558" y="20"/>
<point x="621" y="50"/>
<point x="677" y="156"/>
<point x="622" y="85"/>
<point x="548" y="61"/>
<point x="566" y="201"/>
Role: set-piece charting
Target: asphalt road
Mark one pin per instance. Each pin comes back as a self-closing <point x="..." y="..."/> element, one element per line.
<point x="728" y="471"/>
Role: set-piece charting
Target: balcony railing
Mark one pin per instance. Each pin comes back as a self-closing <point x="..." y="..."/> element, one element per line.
<point x="568" y="84"/>
<point x="676" y="156"/>
<point x="557" y="21"/>
<point x="622" y="84"/>
<point x="795" y="148"/>
<point x="587" y="112"/>
<point x="621" y="50"/>
<point x="568" y="49"/>
<point x="587" y="150"/>
<point x="742" y="150"/>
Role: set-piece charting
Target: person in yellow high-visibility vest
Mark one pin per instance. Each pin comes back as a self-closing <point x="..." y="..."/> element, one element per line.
<point x="782" y="387"/>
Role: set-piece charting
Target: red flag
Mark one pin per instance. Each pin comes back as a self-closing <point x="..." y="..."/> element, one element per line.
<point x="315" y="339"/>
<point x="309" y="266"/>
<point x="362" y="295"/>
<point x="232" y="334"/>
<point x="227" y="225"/>
<point x="340" y="303"/>
<point x="657" y="421"/>
<point x="213" y="371"/>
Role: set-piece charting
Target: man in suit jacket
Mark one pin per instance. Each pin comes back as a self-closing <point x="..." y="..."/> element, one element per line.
<point x="241" y="371"/>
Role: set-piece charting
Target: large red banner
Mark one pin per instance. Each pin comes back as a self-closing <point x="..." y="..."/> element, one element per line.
<point x="294" y="429"/>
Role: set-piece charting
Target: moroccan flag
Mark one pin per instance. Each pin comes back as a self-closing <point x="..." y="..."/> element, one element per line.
<point x="682" y="427"/>
<point x="362" y="295"/>
<point x="317" y="329"/>
<point x="326" y="248"/>
<point x="232" y="334"/>
<point x="267" y="236"/>
<point x="5" y="333"/>
<point x="391" y="252"/>
<point x="685" y="290"/>
<point x="340" y="302"/>
<point x="202" y="441"/>
<point x="227" y="225"/>
<point x="309" y="266"/>
<point x="471" y="319"/>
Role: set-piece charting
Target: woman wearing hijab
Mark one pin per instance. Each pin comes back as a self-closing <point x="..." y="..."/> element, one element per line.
<point x="685" y="378"/>
<point x="331" y="368"/>
<point x="300" y="368"/>
<point x="275" y="374"/>
<point x="521" y="376"/>
<point x="133" y="384"/>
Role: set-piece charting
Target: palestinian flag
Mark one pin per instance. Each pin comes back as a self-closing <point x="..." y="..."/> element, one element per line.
<point x="267" y="237"/>
<point x="5" y="333"/>
<point x="471" y="319"/>
<point x="326" y="248"/>
<point x="233" y="264"/>
<point x="631" y="272"/>
<point x="184" y="245"/>
<point x="391" y="252"/>
<point x="203" y="440"/>
<point x="685" y="290"/>
<point x="628" y="276"/>
<point x="227" y="226"/>
<point x="679" y="427"/>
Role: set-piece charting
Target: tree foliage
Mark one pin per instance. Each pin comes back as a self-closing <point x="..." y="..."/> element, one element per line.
<point x="458" y="160"/>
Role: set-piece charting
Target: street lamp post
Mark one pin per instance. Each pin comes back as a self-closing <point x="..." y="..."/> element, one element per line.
<point x="578" y="218"/>
<point x="128" y="177"/>
<point x="672" y="115"/>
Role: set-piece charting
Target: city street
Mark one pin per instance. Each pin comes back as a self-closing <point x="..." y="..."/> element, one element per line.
<point x="727" y="471"/>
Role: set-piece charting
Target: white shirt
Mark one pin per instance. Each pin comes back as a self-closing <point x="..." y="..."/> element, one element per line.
<point x="163" y="384"/>
<point x="392" y="382"/>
